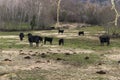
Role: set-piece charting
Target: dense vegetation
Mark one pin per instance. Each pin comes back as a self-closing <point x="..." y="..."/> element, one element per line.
<point x="41" y="14"/>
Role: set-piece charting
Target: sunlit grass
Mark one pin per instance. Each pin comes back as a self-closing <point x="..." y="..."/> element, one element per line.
<point x="76" y="59"/>
<point x="93" y="29"/>
<point x="80" y="42"/>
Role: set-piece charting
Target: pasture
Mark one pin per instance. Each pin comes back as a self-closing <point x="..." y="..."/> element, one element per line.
<point x="78" y="59"/>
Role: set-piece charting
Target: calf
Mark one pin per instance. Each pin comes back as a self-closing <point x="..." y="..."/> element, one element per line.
<point x="33" y="39"/>
<point x="104" y="39"/>
<point x="48" y="39"/>
<point x="21" y="36"/>
<point x="60" y="31"/>
<point x="81" y="33"/>
<point x="61" y="41"/>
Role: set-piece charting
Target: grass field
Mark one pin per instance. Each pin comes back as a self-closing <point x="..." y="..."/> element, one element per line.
<point x="66" y="62"/>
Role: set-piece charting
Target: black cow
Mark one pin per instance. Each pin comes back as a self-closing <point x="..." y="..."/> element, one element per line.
<point x="35" y="39"/>
<point x="61" y="41"/>
<point x="81" y="33"/>
<point x="21" y="36"/>
<point x="60" y="31"/>
<point x="48" y="39"/>
<point x="104" y="39"/>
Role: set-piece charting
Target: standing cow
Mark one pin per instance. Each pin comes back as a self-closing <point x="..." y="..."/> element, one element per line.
<point x="21" y="36"/>
<point x="48" y="39"/>
<point x="60" y="31"/>
<point x="81" y="33"/>
<point x="33" y="39"/>
<point x="61" y="41"/>
<point x="104" y="39"/>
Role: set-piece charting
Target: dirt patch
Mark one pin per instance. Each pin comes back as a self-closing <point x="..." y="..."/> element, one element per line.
<point x="113" y="54"/>
<point x="19" y="63"/>
<point x="68" y="34"/>
<point x="92" y="37"/>
<point x="10" y="36"/>
<point x="71" y="51"/>
<point x="115" y="57"/>
<point x="23" y="43"/>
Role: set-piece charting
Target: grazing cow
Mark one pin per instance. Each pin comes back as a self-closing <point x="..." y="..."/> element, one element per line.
<point x="35" y="39"/>
<point x="52" y="28"/>
<point x="104" y="39"/>
<point x="60" y="31"/>
<point x="48" y="39"/>
<point x="61" y="41"/>
<point x="21" y="36"/>
<point x="81" y="33"/>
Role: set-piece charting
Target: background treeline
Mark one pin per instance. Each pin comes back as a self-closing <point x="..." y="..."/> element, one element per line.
<point x="41" y="14"/>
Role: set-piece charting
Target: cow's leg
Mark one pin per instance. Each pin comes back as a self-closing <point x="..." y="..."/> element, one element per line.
<point x="59" y="43"/>
<point x="37" y="44"/>
<point x="83" y="34"/>
<point x="103" y="43"/>
<point x="108" y="43"/>
<point x="41" y="41"/>
<point x="44" y="41"/>
<point x="21" y="38"/>
<point x="51" y="42"/>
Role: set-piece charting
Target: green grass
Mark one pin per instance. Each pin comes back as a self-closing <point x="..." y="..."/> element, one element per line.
<point x="93" y="29"/>
<point x="76" y="59"/>
<point x="9" y="43"/>
<point x="84" y="43"/>
<point x="16" y="26"/>
<point x="81" y="42"/>
<point x="7" y="33"/>
<point x="30" y="75"/>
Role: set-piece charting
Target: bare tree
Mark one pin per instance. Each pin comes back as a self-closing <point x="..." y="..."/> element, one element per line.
<point x="20" y="12"/>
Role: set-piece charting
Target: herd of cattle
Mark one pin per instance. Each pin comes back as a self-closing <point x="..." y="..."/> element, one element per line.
<point x="37" y="39"/>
